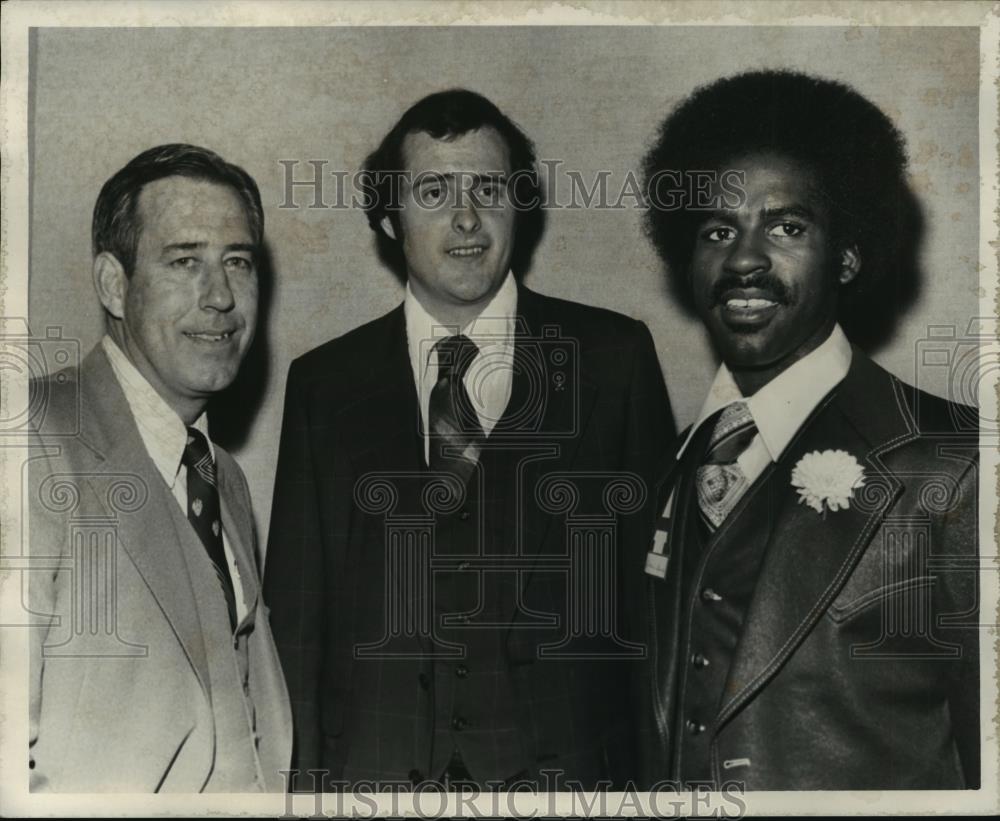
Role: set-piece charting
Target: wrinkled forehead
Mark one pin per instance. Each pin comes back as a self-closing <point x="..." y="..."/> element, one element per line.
<point x="482" y="151"/>
<point x="186" y="205"/>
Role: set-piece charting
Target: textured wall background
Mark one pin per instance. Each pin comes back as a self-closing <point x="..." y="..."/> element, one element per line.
<point x="590" y="97"/>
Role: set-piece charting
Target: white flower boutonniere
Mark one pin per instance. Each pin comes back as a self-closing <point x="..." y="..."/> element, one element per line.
<point x="827" y="480"/>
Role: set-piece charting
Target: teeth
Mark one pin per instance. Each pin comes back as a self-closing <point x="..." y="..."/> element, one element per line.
<point x="466" y="252"/>
<point x="749" y="303"/>
<point x="211" y="337"/>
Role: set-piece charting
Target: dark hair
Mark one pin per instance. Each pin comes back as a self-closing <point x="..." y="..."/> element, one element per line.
<point x="444" y="116"/>
<point x="855" y="151"/>
<point x="117" y="224"/>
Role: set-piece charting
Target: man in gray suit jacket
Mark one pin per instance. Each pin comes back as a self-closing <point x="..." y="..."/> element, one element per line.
<point x="152" y="666"/>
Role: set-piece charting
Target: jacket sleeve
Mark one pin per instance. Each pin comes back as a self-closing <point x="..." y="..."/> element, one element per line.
<point x="294" y="577"/>
<point x="45" y="548"/>
<point x="957" y="610"/>
<point x="651" y="428"/>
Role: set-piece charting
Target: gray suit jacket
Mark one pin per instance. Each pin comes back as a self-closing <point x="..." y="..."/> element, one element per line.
<point x="119" y="693"/>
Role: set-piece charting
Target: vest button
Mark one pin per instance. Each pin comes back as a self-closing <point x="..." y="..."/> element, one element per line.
<point x="708" y="594"/>
<point x="415" y="776"/>
<point x="694" y="727"/>
<point x="464" y="515"/>
<point x="458" y="723"/>
<point x="698" y="660"/>
<point x="425" y="682"/>
<point x="461" y="671"/>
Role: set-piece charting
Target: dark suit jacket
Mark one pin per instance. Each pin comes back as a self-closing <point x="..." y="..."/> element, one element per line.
<point x="122" y="700"/>
<point x="857" y="667"/>
<point x="351" y="411"/>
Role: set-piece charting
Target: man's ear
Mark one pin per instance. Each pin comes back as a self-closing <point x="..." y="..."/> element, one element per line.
<point x="850" y="264"/>
<point x="111" y="283"/>
<point x="387" y="226"/>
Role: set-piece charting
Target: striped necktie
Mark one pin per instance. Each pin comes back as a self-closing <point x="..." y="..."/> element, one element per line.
<point x="457" y="434"/>
<point x="204" y="513"/>
<point x="720" y="481"/>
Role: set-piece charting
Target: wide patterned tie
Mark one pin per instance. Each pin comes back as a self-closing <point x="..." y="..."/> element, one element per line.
<point x="456" y="432"/>
<point x="720" y="481"/>
<point x="203" y="511"/>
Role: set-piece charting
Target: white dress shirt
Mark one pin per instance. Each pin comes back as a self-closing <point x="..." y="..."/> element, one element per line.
<point x="164" y="435"/>
<point x="782" y="406"/>
<point x="489" y="377"/>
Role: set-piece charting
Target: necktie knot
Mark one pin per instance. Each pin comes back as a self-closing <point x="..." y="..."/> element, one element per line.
<point x="197" y="455"/>
<point x="733" y="432"/>
<point x="720" y="480"/>
<point x="455" y="355"/>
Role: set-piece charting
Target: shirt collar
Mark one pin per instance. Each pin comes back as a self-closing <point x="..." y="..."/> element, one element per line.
<point x="781" y="407"/>
<point x="163" y="432"/>
<point x="493" y="326"/>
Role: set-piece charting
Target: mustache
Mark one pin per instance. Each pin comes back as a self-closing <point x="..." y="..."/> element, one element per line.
<point x="764" y="282"/>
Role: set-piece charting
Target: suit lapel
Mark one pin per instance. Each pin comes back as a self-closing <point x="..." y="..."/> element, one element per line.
<point x="550" y="404"/>
<point x="810" y="555"/>
<point x="382" y="428"/>
<point x="237" y="524"/>
<point x="147" y="534"/>
<point x="666" y="596"/>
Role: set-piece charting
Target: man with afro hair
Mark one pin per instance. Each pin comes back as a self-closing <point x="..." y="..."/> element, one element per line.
<point x="810" y="609"/>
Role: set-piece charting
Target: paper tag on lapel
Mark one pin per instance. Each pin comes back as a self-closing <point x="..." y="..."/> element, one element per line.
<point x="656" y="564"/>
<point x="658" y="557"/>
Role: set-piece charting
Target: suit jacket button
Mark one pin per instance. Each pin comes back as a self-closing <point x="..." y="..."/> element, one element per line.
<point x="458" y="723"/>
<point x="699" y="661"/>
<point x="415" y="777"/>
<point x="708" y="594"/>
<point x="694" y="727"/>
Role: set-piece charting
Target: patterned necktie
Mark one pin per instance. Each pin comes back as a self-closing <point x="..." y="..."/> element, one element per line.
<point x="720" y="481"/>
<point x="454" y="424"/>
<point x="203" y="511"/>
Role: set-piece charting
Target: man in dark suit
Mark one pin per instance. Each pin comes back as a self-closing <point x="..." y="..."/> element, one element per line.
<point x="811" y="585"/>
<point x="152" y="665"/>
<point x="454" y="477"/>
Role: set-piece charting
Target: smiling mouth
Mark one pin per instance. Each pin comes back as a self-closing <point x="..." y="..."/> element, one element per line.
<point x="211" y="338"/>
<point x="744" y="310"/>
<point x="755" y="303"/>
<point x="468" y="251"/>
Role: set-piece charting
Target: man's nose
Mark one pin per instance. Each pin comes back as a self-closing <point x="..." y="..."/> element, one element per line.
<point x="216" y="293"/>
<point x="466" y="217"/>
<point x="747" y="256"/>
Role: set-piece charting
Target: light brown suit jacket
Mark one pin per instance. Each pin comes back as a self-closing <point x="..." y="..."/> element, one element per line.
<point x="119" y="692"/>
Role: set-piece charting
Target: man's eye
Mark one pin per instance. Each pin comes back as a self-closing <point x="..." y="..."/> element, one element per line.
<point x="239" y="263"/>
<point x="720" y="233"/>
<point x="185" y="263"/>
<point x="431" y="194"/>
<point x="786" y="229"/>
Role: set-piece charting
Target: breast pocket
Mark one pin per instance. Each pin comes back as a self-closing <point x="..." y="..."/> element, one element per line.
<point x="899" y="601"/>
